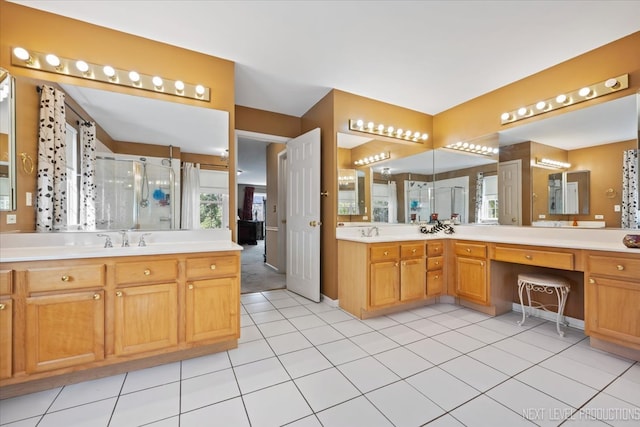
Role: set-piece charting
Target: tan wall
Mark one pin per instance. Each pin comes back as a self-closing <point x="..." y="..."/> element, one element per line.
<point x="481" y="116"/>
<point x="267" y="122"/>
<point x="30" y="28"/>
<point x="271" y="220"/>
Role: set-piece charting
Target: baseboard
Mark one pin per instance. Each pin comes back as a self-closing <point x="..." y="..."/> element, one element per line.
<point x="446" y="299"/>
<point x="536" y="312"/>
<point x="332" y="302"/>
<point x="272" y="267"/>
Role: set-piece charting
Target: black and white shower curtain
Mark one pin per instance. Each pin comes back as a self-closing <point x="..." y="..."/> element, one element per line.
<point x="51" y="198"/>
<point x="88" y="174"/>
<point x="630" y="196"/>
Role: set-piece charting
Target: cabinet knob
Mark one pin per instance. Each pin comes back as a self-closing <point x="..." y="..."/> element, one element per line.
<point x="437" y="277"/>
<point x="396" y="264"/>
<point x="2" y="306"/>
<point x="96" y="296"/>
<point x="437" y="263"/>
<point x="386" y="253"/>
<point x="65" y="278"/>
<point x="118" y="294"/>
<point x="190" y="286"/>
<point x="620" y="267"/>
<point x="147" y="272"/>
<point x="468" y="249"/>
<point x="212" y="266"/>
<point x="529" y="257"/>
<point x="413" y="251"/>
<point x="592" y="281"/>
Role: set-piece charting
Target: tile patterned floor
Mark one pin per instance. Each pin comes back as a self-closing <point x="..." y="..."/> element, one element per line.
<point x="305" y="364"/>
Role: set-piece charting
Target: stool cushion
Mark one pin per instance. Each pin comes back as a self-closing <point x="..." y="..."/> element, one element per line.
<point x="543" y="279"/>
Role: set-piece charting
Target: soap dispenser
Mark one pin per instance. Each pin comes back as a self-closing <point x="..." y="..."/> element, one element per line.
<point x="575" y="222"/>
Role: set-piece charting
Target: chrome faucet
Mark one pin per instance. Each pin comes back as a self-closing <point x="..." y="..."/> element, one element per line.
<point x="107" y="243"/>
<point x="125" y="238"/>
<point x="370" y="230"/>
<point x="142" y="242"/>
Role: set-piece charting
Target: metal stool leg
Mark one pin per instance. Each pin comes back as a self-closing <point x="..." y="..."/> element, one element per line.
<point x="520" y="289"/>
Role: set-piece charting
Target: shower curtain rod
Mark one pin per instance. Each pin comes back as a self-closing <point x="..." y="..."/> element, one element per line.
<point x="84" y="121"/>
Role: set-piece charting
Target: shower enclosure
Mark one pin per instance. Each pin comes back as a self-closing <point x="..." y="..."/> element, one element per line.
<point x="135" y="193"/>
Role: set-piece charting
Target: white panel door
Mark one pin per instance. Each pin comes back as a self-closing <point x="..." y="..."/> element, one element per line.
<point x="509" y="197"/>
<point x="303" y="215"/>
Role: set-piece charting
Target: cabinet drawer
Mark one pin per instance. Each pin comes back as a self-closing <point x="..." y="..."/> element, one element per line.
<point x="435" y="249"/>
<point x="627" y="268"/>
<point x="146" y="271"/>
<point x="435" y="263"/>
<point x="471" y="249"/>
<point x="561" y="260"/>
<point x="384" y="253"/>
<point x="6" y="282"/>
<point x="212" y="266"/>
<point x="435" y="282"/>
<point x="60" y="278"/>
<point x="412" y="251"/>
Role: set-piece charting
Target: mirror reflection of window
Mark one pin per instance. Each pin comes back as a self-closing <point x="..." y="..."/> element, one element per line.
<point x="214" y="199"/>
<point x="380" y="201"/>
<point x="489" y="211"/>
<point x="73" y="178"/>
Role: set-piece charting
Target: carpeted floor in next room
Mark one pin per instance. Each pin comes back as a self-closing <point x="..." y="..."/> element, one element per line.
<point x="257" y="276"/>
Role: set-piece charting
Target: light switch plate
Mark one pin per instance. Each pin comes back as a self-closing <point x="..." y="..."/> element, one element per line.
<point x="29" y="199"/>
<point x="616" y="208"/>
<point x="11" y="219"/>
<point x="599" y="216"/>
<point x="542" y="216"/>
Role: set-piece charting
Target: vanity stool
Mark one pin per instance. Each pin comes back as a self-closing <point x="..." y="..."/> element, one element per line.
<point x="548" y="284"/>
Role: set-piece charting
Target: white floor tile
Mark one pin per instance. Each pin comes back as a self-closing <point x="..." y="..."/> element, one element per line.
<point x="442" y="388"/>
<point x="427" y="327"/>
<point x="167" y="422"/>
<point x="530" y="403"/>
<point x="287" y="343"/>
<point x="322" y="334"/>
<point x="597" y="359"/>
<point x="403" y="405"/>
<point x="374" y="342"/>
<point x="577" y="371"/>
<point x="612" y="411"/>
<point x="151" y="377"/>
<point x="320" y="307"/>
<point x="326" y="388"/>
<point x="266" y="316"/>
<point x="402" y="334"/>
<point x="523" y="350"/>
<point x="513" y="317"/>
<point x="548" y="342"/>
<point x="88" y="391"/>
<point x="246" y="320"/>
<point x="445" y="421"/>
<point x="368" y="374"/>
<point x="307" y="322"/>
<point x="304" y="362"/>
<point x="297" y="311"/>
<point x="471" y="316"/>
<point x="148" y="405"/>
<point x="625" y="389"/>
<point x="205" y="364"/>
<point x="485" y="412"/>
<point x="250" y="352"/>
<point x="458" y="341"/>
<point x="27" y="406"/>
<point x="352" y="328"/>
<point x="449" y="320"/>
<point x="252" y="298"/>
<point x="310" y="421"/>
<point x="228" y="413"/>
<point x="29" y="422"/>
<point x="276" y="406"/>
<point x="276" y="294"/>
<point x="403" y="316"/>
<point x="481" y="333"/>
<point x="249" y="333"/>
<point x="504" y="328"/>
<point x="278" y="327"/>
<point x="94" y="414"/>
<point x="257" y="375"/>
<point x="474" y="373"/>
<point x="355" y="412"/>
<point x="341" y="351"/>
<point x="380" y="322"/>
<point x="334" y="316"/>
<point x="403" y="362"/>
<point x="425" y="311"/>
<point x="633" y="374"/>
<point x="570" y="334"/>
<point x="433" y="351"/>
<point x="500" y="360"/>
<point x="555" y="385"/>
<point x="259" y="307"/>
<point x="446" y="308"/>
<point x="285" y="302"/>
<point x="208" y="389"/>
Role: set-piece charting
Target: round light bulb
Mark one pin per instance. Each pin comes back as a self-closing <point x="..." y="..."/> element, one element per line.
<point x="52" y="60"/>
<point x="370" y="125"/>
<point x="459" y="143"/>
<point x="425" y="136"/>
<point x="157" y="82"/>
<point x="380" y="128"/>
<point x="21" y="53"/>
<point x="585" y="91"/>
<point x="416" y="134"/>
<point x="179" y="85"/>
<point x="399" y="132"/>
<point x="541" y="105"/>
<point x="407" y="133"/>
<point x="109" y="71"/>
<point x="495" y="151"/>
<point x="82" y="66"/>
<point x="134" y="76"/>
<point x="610" y="83"/>
<point x="561" y="99"/>
<point x="360" y="123"/>
<point x="465" y="144"/>
<point x="522" y="111"/>
<point x="390" y="130"/>
<point x="505" y="116"/>
<point x="472" y="146"/>
<point x="200" y="90"/>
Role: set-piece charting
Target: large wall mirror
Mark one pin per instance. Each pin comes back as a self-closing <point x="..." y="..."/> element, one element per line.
<point x="140" y="147"/>
<point x="590" y="146"/>
<point x="7" y="142"/>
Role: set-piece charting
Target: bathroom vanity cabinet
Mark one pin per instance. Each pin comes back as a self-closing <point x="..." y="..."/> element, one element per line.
<point x="73" y="319"/>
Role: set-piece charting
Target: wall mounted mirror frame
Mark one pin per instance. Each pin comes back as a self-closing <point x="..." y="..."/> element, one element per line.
<point x="8" y="190"/>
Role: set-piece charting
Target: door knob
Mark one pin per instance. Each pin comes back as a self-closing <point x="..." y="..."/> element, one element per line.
<point x="315" y="223"/>
<point x="324" y="193"/>
<point x="514" y="220"/>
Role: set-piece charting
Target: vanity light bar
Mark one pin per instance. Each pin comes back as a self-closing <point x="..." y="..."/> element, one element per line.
<point x="473" y="148"/>
<point x="388" y="131"/>
<point x="553" y="164"/>
<point x="105" y="73"/>
<point x="565" y="99"/>
<point x="373" y="159"/>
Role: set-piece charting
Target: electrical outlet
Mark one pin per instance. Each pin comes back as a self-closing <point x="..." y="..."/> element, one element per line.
<point x="365" y="218"/>
<point x="616" y="208"/>
<point x="11" y="219"/>
<point x="29" y="199"/>
<point x="599" y="216"/>
<point x="542" y="216"/>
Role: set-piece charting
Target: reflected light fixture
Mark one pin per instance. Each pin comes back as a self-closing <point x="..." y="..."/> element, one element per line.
<point x="372" y="159"/>
<point x="388" y="131"/>
<point x="568" y="98"/>
<point x="473" y="148"/>
<point x="552" y="164"/>
<point x="52" y="63"/>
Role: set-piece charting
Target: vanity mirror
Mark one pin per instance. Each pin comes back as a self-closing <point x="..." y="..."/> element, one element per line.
<point x="7" y="142"/>
<point x="351" y="190"/>
<point x="569" y="193"/>
<point x="140" y="143"/>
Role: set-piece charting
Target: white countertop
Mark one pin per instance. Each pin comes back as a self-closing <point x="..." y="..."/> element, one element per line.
<point x="15" y="247"/>
<point x="580" y="238"/>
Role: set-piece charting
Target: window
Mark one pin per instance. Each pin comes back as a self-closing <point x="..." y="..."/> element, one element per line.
<point x="380" y="201"/>
<point x="214" y="199"/>
<point x="258" y="206"/>
<point x="489" y="211"/>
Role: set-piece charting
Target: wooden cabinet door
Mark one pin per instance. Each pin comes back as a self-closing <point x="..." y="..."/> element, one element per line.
<point x="6" y="338"/>
<point x="384" y="286"/>
<point x="435" y="282"/>
<point x="212" y="309"/>
<point x="412" y="279"/>
<point x="613" y="308"/>
<point x="471" y="279"/>
<point x="64" y="330"/>
<point x="146" y="318"/>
